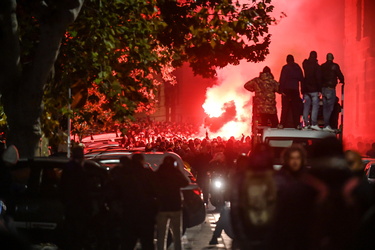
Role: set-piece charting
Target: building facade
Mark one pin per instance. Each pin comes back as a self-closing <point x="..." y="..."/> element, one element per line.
<point x="359" y="70"/>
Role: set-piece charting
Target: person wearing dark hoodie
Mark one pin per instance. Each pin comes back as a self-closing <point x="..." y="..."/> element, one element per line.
<point x="170" y="181"/>
<point x="133" y="187"/>
<point x="265" y="88"/>
<point x="330" y="74"/>
<point x="311" y="88"/>
<point x="290" y="79"/>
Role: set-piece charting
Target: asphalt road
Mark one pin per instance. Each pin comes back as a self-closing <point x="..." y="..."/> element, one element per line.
<point x="195" y="238"/>
<point x="198" y="237"/>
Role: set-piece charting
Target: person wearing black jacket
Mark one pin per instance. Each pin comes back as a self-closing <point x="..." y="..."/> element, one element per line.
<point x="311" y="87"/>
<point x="75" y="196"/>
<point x="330" y="73"/>
<point x="170" y="181"/>
<point x="133" y="187"/>
<point x="290" y="78"/>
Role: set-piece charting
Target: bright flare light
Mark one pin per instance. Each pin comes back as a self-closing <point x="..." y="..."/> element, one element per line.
<point x="212" y="109"/>
<point x="230" y="88"/>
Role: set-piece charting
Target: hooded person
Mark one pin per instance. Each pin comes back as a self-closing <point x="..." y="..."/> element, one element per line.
<point x="330" y="74"/>
<point x="265" y="88"/>
<point x="337" y="208"/>
<point x="253" y="200"/>
<point x="290" y="79"/>
<point x="311" y="88"/>
<point x="74" y="186"/>
<point x="170" y="180"/>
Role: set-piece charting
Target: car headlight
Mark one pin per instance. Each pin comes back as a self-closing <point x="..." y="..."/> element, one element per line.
<point x="218" y="183"/>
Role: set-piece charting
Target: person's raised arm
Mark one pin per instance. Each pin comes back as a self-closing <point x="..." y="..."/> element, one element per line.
<point x="250" y="85"/>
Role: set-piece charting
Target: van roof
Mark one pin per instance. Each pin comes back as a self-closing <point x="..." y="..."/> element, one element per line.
<point x="295" y="133"/>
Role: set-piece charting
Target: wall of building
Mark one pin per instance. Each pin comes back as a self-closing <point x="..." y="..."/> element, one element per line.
<point x="359" y="69"/>
<point x="183" y="102"/>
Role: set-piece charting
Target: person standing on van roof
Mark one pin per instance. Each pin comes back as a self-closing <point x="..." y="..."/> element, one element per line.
<point x="265" y="88"/>
<point x="290" y="79"/>
<point x="330" y="73"/>
<point x="311" y="88"/>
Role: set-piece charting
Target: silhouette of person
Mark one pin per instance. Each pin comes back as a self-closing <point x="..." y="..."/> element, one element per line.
<point x="136" y="192"/>
<point x="330" y="73"/>
<point x="290" y="79"/>
<point x="311" y="88"/>
<point x="170" y="180"/>
<point x="75" y="189"/>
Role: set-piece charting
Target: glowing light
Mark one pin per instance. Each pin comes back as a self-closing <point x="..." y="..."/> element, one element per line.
<point x="299" y="42"/>
<point x="212" y="108"/>
<point x="218" y="184"/>
<point x="230" y="88"/>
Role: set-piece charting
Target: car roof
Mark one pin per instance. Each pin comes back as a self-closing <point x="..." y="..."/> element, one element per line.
<point x="114" y="148"/>
<point x="118" y="154"/>
<point x="155" y="159"/>
<point x="100" y="137"/>
<point x="59" y="162"/>
<point x="295" y="133"/>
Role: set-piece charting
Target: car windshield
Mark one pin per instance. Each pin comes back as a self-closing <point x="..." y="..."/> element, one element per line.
<point x="280" y="143"/>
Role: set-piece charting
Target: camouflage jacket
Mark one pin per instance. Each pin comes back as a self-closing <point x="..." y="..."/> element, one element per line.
<point x="265" y="88"/>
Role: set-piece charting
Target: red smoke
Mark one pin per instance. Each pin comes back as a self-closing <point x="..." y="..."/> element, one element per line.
<point x="309" y="25"/>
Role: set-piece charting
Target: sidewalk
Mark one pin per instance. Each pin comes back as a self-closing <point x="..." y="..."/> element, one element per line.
<point x="197" y="238"/>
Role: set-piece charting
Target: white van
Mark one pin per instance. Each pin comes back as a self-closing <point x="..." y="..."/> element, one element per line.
<point x="279" y="139"/>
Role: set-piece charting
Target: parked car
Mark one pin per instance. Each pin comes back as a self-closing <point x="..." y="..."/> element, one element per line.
<point x="37" y="207"/>
<point x="102" y="140"/>
<point x="194" y="212"/>
<point x="370" y="171"/>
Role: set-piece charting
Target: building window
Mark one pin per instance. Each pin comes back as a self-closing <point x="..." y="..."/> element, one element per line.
<point x="368" y="24"/>
<point x="359" y="19"/>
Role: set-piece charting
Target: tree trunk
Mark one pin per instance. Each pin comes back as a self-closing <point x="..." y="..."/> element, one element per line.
<point x="23" y="100"/>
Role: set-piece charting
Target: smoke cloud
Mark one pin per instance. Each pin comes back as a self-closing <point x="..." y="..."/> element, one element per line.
<point x="309" y="25"/>
<point x="229" y="114"/>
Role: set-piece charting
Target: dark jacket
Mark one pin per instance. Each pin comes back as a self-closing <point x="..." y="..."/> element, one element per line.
<point x="201" y="166"/>
<point x="75" y="188"/>
<point x="291" y="75"/>
<point x="312" y="80"/>
<point x="5" y="182"/>
<point x="134" y="188"/>
<point x="330" y="73"/>
<point x="170" y="181"/>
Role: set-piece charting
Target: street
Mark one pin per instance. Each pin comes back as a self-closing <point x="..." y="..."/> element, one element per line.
<point x="198" y="237"/>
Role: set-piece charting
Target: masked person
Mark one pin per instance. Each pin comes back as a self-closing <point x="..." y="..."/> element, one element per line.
<point x="311" y="88"/>
<point x="290" y="79"/>
<point x="330" y="73"/>
<point x="265" y="88"/>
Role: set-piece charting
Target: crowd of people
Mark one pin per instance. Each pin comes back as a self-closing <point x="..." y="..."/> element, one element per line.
<point x="312" y="82"/>
<point x="328" y="205"/>
<point x="145" y="132"/>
